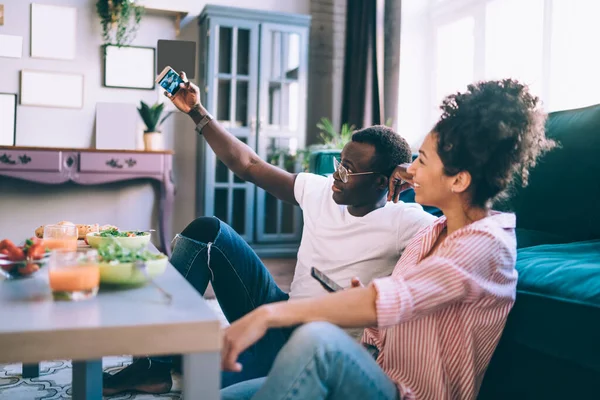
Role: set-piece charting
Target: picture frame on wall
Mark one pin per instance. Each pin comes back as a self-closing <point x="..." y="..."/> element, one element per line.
<point x="116" y="126"/>
<point x="11" y="46"/>
<point x="53" y="32"/>
<point x="129" y="67"/>
<point x="51" y="89"/>
<point x="8" y="119"/>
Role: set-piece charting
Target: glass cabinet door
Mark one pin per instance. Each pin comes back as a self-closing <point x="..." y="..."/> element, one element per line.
<point x="231" y="97"/>
<point x="282" y="120"/>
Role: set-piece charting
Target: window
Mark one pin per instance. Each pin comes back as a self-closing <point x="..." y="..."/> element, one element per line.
<point x="547" y="44"/>
<point x="455" y="44"/>
<point x="574" y="57"/>
<point x="514" y="41"/>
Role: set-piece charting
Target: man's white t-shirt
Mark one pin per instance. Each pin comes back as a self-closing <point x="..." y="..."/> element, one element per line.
<point x="343" y="246"/>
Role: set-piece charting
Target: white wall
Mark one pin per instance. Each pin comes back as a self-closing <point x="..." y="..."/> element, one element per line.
<point x="24" y="206"/>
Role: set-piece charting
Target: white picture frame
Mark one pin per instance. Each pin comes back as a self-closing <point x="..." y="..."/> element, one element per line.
<point x="129" y="67"/>
<point x="51" y="89"/>
<point x="116" y="126"/>
<point x="8" y="119"/>
<point x="53" y="32"/>
<point x="11" y="46"/>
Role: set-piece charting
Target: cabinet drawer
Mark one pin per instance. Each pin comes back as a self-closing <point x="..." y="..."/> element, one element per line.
<point x="130" y="163"/>
<point x="25" y="160"/>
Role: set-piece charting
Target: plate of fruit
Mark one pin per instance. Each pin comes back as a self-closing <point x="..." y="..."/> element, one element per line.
<point x="22" y="261"/>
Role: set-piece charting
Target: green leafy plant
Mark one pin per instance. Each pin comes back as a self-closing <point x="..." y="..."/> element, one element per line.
<point x="151" y="116"/>
<point x="120" y="20"/>
<point x="330" y="139"/>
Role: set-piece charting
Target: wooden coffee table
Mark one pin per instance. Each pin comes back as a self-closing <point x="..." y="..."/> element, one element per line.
<point x="34" y="328"/>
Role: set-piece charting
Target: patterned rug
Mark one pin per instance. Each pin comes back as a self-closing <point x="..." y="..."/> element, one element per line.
<point x="54" y="382"/>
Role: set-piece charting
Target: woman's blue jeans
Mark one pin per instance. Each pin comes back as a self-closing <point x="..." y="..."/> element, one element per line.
<point x="210" y="250"/>
<point x="320" y="361"/>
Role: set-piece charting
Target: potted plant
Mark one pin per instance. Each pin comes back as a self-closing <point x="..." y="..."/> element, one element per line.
<point x="153" y="138"/>
<point x="318" y="156"/>
<point x="122" y="17"/>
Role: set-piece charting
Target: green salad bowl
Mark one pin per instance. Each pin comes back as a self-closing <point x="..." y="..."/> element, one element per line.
<point x="115" y="273"/>
<point x="135" y="242"/>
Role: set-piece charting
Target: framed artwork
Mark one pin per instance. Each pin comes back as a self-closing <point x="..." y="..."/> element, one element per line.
<point x="53" y="32"/>
<point x="11" y="46"/>
<point x="129" y="67"/>
<point x="1" y="14"/>
<point x="116" y="126"/>
<point x="51" y="89"/>
<point x="8" y="119"/>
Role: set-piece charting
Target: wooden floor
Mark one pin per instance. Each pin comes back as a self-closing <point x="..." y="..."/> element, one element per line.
<point x="282" y="270"/>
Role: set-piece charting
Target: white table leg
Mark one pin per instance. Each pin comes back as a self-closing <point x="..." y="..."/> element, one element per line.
<point x="202" y="376"/>
<point x="87" y="380"/>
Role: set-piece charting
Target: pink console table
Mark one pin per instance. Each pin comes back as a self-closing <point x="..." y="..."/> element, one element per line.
<point x="55" y="166"/>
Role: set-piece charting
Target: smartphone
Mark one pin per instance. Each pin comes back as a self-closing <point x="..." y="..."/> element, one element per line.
<point x="169" y="80"/>
<point x="405" y="175"/>
<point x="324" y="280"/>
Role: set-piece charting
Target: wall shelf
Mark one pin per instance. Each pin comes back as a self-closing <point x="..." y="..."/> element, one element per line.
<point x="156" y="8"/>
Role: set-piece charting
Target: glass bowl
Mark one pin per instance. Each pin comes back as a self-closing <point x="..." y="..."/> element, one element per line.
<point x="21" y="269"/>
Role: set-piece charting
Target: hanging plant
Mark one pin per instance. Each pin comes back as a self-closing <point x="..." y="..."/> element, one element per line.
<point x="120" y="20"/>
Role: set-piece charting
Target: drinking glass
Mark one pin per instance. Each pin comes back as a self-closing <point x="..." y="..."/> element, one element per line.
<point x="74" y="275"/>
<point x="60" y="237"/>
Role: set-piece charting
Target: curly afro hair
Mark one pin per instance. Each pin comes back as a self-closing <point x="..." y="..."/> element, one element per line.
<point x="495" y="131"/>
<point x="391" y="149"/>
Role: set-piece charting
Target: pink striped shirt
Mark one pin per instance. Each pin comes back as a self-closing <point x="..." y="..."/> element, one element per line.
<point x="440" y="318"/>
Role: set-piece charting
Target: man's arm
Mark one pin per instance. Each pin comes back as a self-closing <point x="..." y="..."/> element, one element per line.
<point x="236" y="155"/>
<point x="244" y="162"/>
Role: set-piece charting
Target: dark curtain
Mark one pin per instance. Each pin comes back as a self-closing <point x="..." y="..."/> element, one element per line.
<point x="360" y="41"/>
<point x="391" y="68"/>
<point x="369" y="62"/>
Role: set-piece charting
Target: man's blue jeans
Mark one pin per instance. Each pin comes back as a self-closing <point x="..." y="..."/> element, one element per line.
<point x="210" y="250"/>
<point x="320" y="361"/>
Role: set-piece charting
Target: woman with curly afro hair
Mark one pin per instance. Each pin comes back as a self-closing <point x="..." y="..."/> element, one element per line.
<point x="433" y="325"/>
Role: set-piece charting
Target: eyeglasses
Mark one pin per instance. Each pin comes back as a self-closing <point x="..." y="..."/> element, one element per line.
<point x="343" y="172"/>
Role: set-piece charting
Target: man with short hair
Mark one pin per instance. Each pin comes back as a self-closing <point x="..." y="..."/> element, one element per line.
<point x="350" y="230"/>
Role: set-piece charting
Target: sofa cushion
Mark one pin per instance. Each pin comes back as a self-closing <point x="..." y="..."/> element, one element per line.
<point x="568" y="272"/>
<point x="557" y="311"/>
<point x="564" y="188"/>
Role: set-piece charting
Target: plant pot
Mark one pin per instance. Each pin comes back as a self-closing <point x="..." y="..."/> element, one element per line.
<point x="154" y="141"/>
<point x="321" y="161"/>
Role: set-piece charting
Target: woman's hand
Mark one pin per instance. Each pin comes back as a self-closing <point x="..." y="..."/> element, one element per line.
<point x="187" y="97"/>
<point x="399" y="181"/>
<point x="242" y="334"/>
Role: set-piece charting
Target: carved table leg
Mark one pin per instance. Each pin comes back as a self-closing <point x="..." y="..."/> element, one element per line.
<point x="165" y="211"/>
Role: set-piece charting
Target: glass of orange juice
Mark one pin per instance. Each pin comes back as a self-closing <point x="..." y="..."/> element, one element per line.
<point x="74" y="275"/>
<point x="60" y="237"/>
